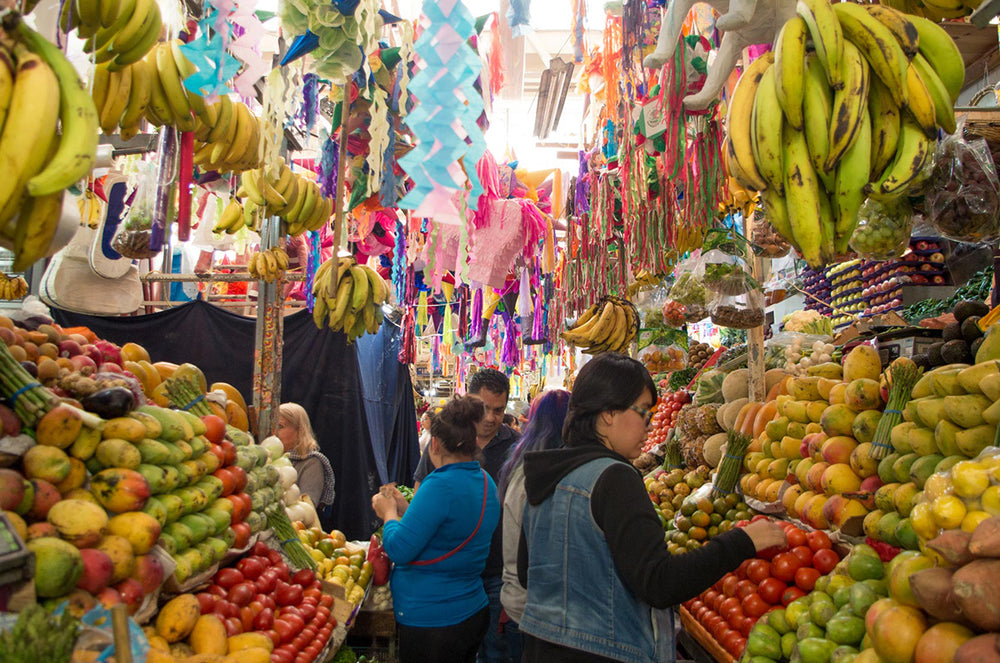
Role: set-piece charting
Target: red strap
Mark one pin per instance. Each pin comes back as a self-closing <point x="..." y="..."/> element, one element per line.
<point x="482" y="512"/>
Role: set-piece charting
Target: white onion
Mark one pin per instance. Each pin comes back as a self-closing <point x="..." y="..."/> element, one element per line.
<point x="281" y="461"/>
<point x="273" y="446"/>
<point x="288" y="476"/>
<point x="292" y="495"/>
<point x="295" y="512"/>
<point x="311" y="517"/>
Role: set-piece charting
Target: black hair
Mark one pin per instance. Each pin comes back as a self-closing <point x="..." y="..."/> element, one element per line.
<point x="489" y="378"/>
<point x="608" y="382"/>
<point x="455" y="424"/>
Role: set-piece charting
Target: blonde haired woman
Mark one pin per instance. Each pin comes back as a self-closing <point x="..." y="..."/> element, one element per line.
<point x="315" y="474"/>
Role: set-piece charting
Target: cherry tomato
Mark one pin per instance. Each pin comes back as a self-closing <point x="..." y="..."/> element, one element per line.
<point x="246" y="618"/>
<point x="806" y="577"/>
<point x="758" y="570"/>
<point x="824" y="560"/>
<point x="818" y="540"/>
<point x="804" y="553"/>
<point x="784" y="567"/>
<point x="771" y="590"/>
<point x="233" y="626"/>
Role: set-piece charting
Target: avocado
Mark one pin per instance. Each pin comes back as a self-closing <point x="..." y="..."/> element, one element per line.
<point x="970" y="329"/>
<point x="956" y="352"/>
<point x="951" y="332"/>
<point x="934" y="354"/>
<point x="969" y="308"/>
<point x="922" y="360"/>
<point x="974" y="346"/>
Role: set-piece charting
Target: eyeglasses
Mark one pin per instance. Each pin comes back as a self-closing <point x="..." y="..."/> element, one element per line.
<point x="647" y="415"/>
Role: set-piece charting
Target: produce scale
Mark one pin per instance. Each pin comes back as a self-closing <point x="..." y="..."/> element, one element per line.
<point x="787" y="212"/>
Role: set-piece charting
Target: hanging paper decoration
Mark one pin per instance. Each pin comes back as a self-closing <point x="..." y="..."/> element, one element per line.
<point x="446" y="115"/>
<point x="329" y="160"/>
<point x="340" y="33"/>
<point x="579" y="15"/>
<point x="422" y="309"/>
<point x="312" y="264"/>
<point x="310" y="99"/>
<point x="379" y="129"/>
<point x="208" y="52"/>
<point x="249" y="32"/>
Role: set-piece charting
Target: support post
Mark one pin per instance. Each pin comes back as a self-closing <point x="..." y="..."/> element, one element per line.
<point x="268" y="338"/>
<point x="755" y="335"/>
<point x="345" y="113"/>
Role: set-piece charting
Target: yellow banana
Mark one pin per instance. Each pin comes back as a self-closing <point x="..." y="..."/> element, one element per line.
<point x="802" y="191"/>
<point x="899" y="25"/>
<point x="912" y="155"/>
<point x="360" y="294"/>
<point x="776" y="212"/>
<point x="789" y="68"/>
<point x="342" y="301"/>
<point x="244" y="130"/>
<point x="850" y="104"/>
<point x="942" y="53"/>
<point x="919" y="102"/>
<point x="740" y="118"/>
<point x="885" y="126"/>
<point x="827" y="37"/>
<point x="818" y="110"/>
<point x="251" y="184"/>
<point x="224" y="115"/>
<point x="130" y="53"/>
<point x="35" y="228"/>
<point x="853" y="173"/>
<point x="173" y="89"/>
<point x="878" y="45"/>
<point x="118" y="93"/>
<point x="944" y="111"/>
<point x="765" y="131"/>
<point x="6" y="83"/>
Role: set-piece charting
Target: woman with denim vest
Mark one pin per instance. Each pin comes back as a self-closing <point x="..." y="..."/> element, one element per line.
<point x="599" y="578"/>
<point x="439" y="544"/>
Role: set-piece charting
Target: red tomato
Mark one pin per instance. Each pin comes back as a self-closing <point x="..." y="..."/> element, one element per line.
<point x="308" y="611"/>
<point x="325" y="631"/>
<point x="273" y="556"/>
<point x="282" y="657"/>
<point x="745" y="588"/>
<point x="313" y="592"/>
<point x="265" y="583"/>
<point x="804" y="553"/>
<point x="718" y="585"/>
<point x="263" y="620"/>
<point x="242" y="593"/>
<point x="729" y="583"/>
<point x="286" y="594"/>
<point x="304" y="577"/>
<point x="250" y="567"/>
<point x="796" y="537"/>
<point x="282" y="571"/>
<point x="310" y="632"/>
<point x="701" y="613"/>
<point x="285" y="631"/>
<point x="233" y="626"/>
<point x="710" y="597"/>
<point x="295" y="620"/>
<point x="727" y="606"/>
<point x="731" y="643"/>
<point x="741" y="572"/>
<point x="824" y="560"/>
<point x="267" y="601"/>
<point x="755" y="606"/>
<point x="758" y="570"/>
<point x="246" y="618"/>
<point x="275" y="638"/>
<point x="696" y="605"/>
<point x="759" y="516"/>
<point x="226" y="609"/>
<point x="228" y="578"/>
<point x="218" y="592"/>
<point x="818" y="540"/>
<point x="260" y="549"/>
<point x="806" y="577"/>
<point x="791" y="594"/>
<point x="784" y="567"/>
<point x="711" y="620"/>
<point x="326" y="601"/>
<point x="322" y="614"/>
<point x="242" y="532"/>
<point x="746" y="626"/>
<point x="206" y="601"/>
<point x="769" y="553"/>
<point x="771" y="590"/>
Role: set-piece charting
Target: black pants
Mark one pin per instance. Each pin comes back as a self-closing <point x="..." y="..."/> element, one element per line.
<point x="452" y="644"/>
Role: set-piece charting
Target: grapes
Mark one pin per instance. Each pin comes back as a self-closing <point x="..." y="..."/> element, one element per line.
<point x="883" y="230"/>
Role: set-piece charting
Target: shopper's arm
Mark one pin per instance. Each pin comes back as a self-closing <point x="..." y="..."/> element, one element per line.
<point x="406" y="538"/>
<point x="621" y="508"/>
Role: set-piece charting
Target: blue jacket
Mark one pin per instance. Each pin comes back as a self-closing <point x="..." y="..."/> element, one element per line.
<point x="443" y="514"/>
<point x="575" y="596"/>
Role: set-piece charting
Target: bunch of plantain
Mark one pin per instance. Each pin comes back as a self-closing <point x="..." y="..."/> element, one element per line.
<point x="12" y="288"/>
<point x="296" y="199"/>
<point x="349" y="297"/>
<point x="268" y="265"/>
<point x="48" y="141"/>
<point x="610" y="325"/>
<point x="117" y="32"/>
<point x="847" y="106"/>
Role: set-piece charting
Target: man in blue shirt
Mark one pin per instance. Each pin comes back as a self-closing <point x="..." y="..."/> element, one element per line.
<point x="495" y="441"/>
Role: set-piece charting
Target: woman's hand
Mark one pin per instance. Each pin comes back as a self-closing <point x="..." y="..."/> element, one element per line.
<point x="766" y="534"/>
<point x="385" y="506"/>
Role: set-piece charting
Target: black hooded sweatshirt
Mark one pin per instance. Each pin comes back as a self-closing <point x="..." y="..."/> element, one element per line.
<point x="622" y="509"/>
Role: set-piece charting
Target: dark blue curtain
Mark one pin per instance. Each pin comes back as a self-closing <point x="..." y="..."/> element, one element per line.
<point x="359" y="397"/>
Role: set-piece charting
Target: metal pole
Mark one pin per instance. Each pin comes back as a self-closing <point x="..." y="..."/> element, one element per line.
<point x="345" y="112"/>
<point x="268" y="338"/>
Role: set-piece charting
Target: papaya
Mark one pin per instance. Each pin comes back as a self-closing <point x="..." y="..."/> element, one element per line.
<point x="251" y="640"/>
<point x="237" y="416"/>
<point x="209" y="636"/>
<point x="231" y="392"/>
<point x="178" y="618"/>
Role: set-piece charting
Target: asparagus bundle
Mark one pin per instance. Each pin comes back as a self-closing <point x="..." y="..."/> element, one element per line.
<point x="732" y="461"/>
<point x="903" y="374"/>
<point x="279" y="523"/>
<point x="29" y="399"/>
<point x="184" y="393"/>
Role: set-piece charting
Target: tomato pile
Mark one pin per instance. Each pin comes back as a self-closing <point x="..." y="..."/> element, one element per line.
<point x="731" y="607"/>
<point x="665" y="417"/>
<point x="262" y="594"/>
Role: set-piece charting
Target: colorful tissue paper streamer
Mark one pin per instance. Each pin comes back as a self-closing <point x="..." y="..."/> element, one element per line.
<point x="207" y="52"/>
<point x="446" y="114"/>
<point x="246" y="47"/>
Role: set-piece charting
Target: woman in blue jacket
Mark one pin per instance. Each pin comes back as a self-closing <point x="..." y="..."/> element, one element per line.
<point x="439" y="543"/>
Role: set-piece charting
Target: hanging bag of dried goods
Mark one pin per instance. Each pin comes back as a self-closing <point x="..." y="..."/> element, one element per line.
<point x="963" y="200"/>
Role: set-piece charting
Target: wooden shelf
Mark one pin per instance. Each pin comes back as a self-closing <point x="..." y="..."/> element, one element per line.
<point x="978" y="47"/>
<point x="703" y="638"/>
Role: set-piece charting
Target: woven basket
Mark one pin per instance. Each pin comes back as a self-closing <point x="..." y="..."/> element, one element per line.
<point x="982" y="120"/>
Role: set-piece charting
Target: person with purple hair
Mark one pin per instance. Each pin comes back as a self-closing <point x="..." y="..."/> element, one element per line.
<point x="543" y="431"/>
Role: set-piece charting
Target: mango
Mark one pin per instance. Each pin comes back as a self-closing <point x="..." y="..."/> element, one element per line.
<point x="120" y="490"/>
<point x="815" y="410"/>
<point x="150" y="423"/>
<point x="990" y="386"/>
<point x="923" y="387"/>
<point x="59" y="427"/>
<point x="804" y="388"/>
<point x="990" y="348"/>
<point x="825" y="386"/>
<point x="119" y="550"/>
<point x="85" y="444"/>
<point x="829" y="370"/>
<point x="863" y="394"/>
<point x="153" y="452"/>
<point x="198" y="426"/>
<point x="966" y="411"/>
<point x="154" y="507"/>
<point x="796" y="410"/>
<point x="862" y="462"/>
<point x="991" y="415"/>
<point x="900" y="436"/>
<point x="125" y="428"/>
<point x="173" y="426"/>
<point x="49" y="463"/>
<point x="945" y="383"/>
<point x="930" y="411"/>
<point x="862" y="362"/>
<point x="971" y="442"/>
<point x="140" y="529"/>
<point x="921" y="441"/>
<point x="178" y="617"/>
<point x="116" y="452"/>
<point x="971" y="377"/>
<point x="58" y="566"/>
<point x="923" y="468"/>
<point x="864" y="425"/>
<point x="901" y="468"/>
<point x="75" y="479"/>
<point x="837" y="419"/>
<point x="79" y="522"/>
<point x="944" y="437"/>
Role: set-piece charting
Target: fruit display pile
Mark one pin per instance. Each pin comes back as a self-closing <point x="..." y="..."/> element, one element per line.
<point x="869" y="64"/>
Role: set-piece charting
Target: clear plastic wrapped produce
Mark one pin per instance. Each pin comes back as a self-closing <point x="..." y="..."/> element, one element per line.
<point x="963" y="202"/>
<point x="763" y="234"/>
<point x="689" y="289"/>
<point x="883" y="230"/>
<point x="132" y="238"/>
<point x="739" y="312"/>
<point x="726" y="274"/>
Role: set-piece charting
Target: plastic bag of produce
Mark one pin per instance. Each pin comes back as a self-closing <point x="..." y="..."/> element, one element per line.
<point x="662" y="359"/>
<point x="726" y="274"/>
<point x="689" y="289"/>
<point x="132" y="238"/>
<point x="963" y="203"/>
<point x="883" y="230"/>
<point x="739" y="312"/>
<point x="763" y="234"/>
<point x="966" y="492"/>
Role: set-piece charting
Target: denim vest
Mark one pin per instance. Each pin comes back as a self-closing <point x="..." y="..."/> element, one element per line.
<point x="575" y="596"/>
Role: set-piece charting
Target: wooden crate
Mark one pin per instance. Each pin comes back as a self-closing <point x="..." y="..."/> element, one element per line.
<point x="703" y="637"/>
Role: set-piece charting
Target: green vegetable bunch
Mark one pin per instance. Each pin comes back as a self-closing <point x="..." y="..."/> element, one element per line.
<point x="976" y="288"/>
<point x="40" y="636"/>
